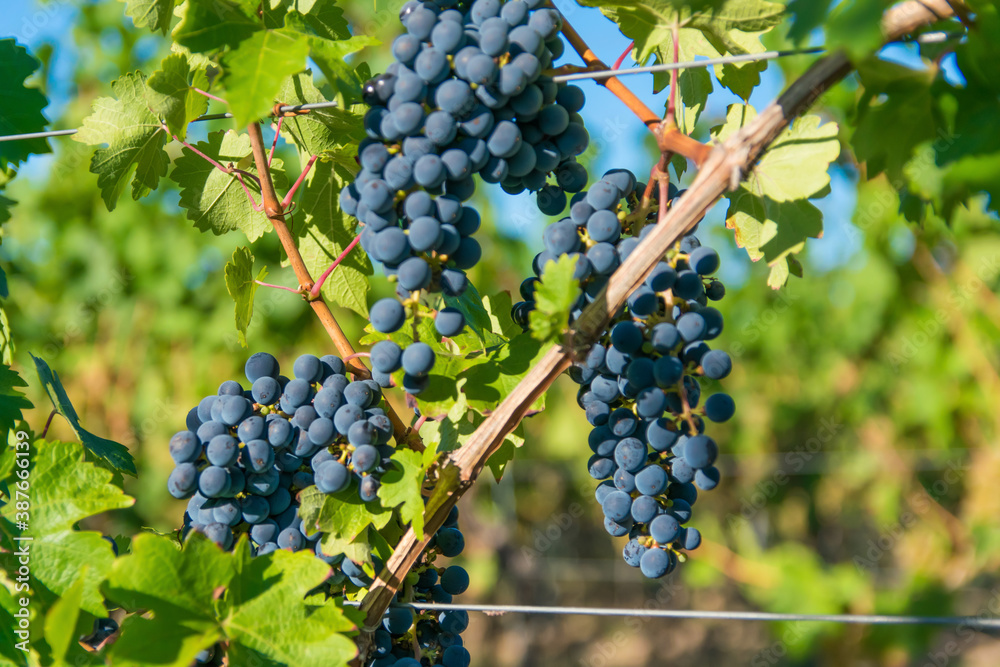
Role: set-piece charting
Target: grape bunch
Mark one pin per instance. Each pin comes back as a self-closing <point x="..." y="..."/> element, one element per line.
<point x="246" y="453"/>
<point x="465" y="96"/>
<point x="639" y="383"/>
<point x="438" y="634"/>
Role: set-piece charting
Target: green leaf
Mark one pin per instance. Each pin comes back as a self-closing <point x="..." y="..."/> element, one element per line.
<point x="489" y="381"/>
<point x="152" y="14"/>
<point x="22" y="106"/>
<point x="891" y="127"/>
<point x="255" y="70"/>
<point x="331" y="132"/>
<point x="554" y="298"/>
<point x="796" y="165"/>
<point x="772" y="230"/>
<point x="65" y="489"/>
<point x="12" y="400"/>
<point x="694" y="87"/>
<point x="242" y="287"/>
<point x="498" y="309"/>
<point x="134" y="139"/>
<point x="208" y="25"/>
<point x="856" y="27"/>
<point x="324" y="234"/>
<point x="329" y="57"/>
<point x="269" y="625"/>
<point x="60" y="622"/>
<point x="807" y="15"/>
<point x="215" y="201"/>
<point x="401" y="487"/>
<point x="341" y="514"/>
<point x="110" y="454"/>
<point x="171" y="96"/>
<point x="201" y="594"/>
<point x="161" y="576"/>
<point x="325" y="19"/>
<point x="477" y="319"/>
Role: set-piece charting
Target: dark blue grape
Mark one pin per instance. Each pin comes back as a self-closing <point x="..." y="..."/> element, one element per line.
<point x="260" y="365"/>
<point x="440" y="127"/>
<point x="630" y="454"/>
<point x="331" y="477"/>
<point x="720" y="407"/>
<point x="449" y="322"/>
<point x="183" y="481"/>
<point x="385" y="357"/>
<point x="704" y="260"/>
<point x="185" y="447"/>
<point x="418" y="359"/>
<point x="387" y="315"/>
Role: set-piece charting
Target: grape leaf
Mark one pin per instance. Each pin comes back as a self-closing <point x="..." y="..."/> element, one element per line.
<point x="22" y="106"/>
<point x="796" y="165"/>
<point x="10" y="654"/>
<point x="477" y="319"/>
<point x="60" y="621"/>
<point x="172" y="98"/>
<point x="330" y="133"/>
<point x="242" y="287"/>
<point x="110" y="454"/>
<point x="341" y="514"/>
<point x="489" y="381"/>
<point x="329" y="57"/>
<point x="807" y="15"/>
<point x="12" y="400"/>
<point x="215" y="201"/>
<point x="694" y="87"/>
<point x="208" y="25"/>
<point x="66" y="489"/>
<point x="889" y="131"/>
<point x="324" y="19"/>
<point x="256" y="69"/>
<point x="768" y="229"/>
<point x="200" y="594"/>
<point x="555" y="296"/>
<point x="268" y="623"/>
<point x="856" y="27"/>
<point x="401" y="487"/>
<point x="134" y="138"/>
<point x="324" y="234"/>
<point x="152" y="14"/>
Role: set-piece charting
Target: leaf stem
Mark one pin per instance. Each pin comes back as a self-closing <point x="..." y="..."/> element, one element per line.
<point x="277" y="133"/>
<point x="624" y="55"/>
<point x="326" y="274"/>
<point x="287" y="201"/>
<point x="287" y="289"/>
<point x="209" y="95"/>
<point x="48" y="423"/>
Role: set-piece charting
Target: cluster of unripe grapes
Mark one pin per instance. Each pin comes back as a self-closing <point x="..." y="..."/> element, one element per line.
<point x="466" y="95"/>
<point x="639" y="382"/>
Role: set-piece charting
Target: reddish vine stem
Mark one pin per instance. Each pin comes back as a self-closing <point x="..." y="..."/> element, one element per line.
<point x="287" y="201"/>
<point x="624" y="55"/>
<point x="209" y="95"/>
<point x="287" y="289"/>
<point x="274" y="144"/>
<point x="340" y="258"/>
<point x="48" y="423"/>
<point x="460" y="468"/>
<point x="276" y="214"/>
<point x="671" y="117"/>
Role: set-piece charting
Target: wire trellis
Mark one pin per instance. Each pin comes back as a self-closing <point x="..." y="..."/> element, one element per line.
<point x="972" y="622"/>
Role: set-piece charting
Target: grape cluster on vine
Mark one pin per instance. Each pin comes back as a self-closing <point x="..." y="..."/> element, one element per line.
<point x="639" y="382"/>
<point x="466" y="95"/>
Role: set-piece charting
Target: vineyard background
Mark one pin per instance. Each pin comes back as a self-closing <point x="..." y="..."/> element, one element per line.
<point x="860" y="471"/>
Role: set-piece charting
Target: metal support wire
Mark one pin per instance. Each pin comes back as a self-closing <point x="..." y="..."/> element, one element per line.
<point x="288" y="108"/>
<point x="973" y="622"/>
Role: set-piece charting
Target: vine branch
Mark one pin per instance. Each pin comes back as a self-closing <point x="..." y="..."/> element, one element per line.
<point x="460" y="468"/>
